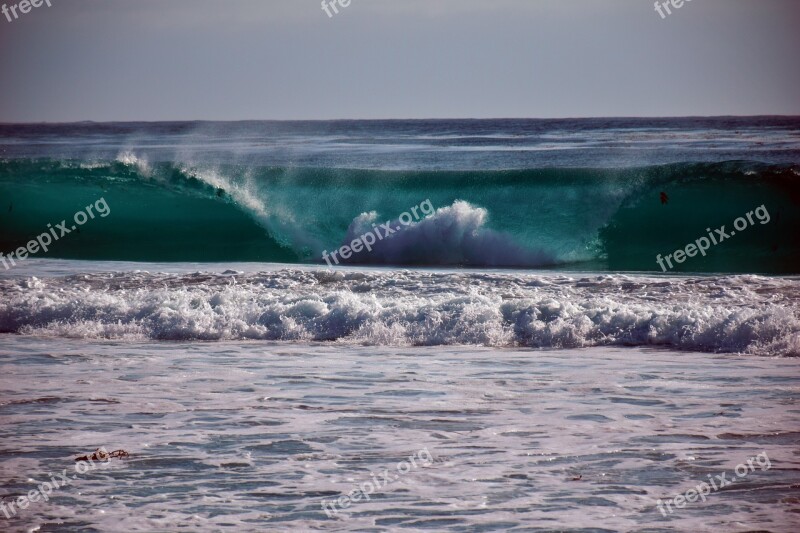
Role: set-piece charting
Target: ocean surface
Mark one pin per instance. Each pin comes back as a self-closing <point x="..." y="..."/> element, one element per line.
<point x="518" y="327"/>
<point x="583" y="194"/>
<point x="254" y="436"/>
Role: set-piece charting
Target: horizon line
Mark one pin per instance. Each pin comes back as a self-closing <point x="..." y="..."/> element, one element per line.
<point x="451" y="119"/>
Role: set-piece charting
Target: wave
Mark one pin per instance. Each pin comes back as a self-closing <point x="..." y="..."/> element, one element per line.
<point x="589" y="218"/>
<point x="740" y="314"/>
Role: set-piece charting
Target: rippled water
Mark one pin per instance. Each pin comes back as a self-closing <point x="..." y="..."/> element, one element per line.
<point x="253" y="436"/>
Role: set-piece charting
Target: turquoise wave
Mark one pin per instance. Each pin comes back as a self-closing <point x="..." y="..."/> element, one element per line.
<point x="593" y="218"/>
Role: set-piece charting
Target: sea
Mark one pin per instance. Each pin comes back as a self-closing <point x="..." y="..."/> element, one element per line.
<point x="575" y="322"/>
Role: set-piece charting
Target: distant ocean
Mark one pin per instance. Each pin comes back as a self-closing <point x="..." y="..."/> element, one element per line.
<point x="523" y="332"/>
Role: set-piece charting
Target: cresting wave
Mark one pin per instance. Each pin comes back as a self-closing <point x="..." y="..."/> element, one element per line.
<point x="739" y="314"/>
<point x="591" y="218"/>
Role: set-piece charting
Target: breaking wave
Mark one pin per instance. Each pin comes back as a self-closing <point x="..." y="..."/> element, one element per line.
<point x="739" y="314"/>
<point x="595" y="218"/>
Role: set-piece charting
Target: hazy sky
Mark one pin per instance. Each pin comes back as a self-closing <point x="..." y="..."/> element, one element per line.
<point x="286" y="59"/>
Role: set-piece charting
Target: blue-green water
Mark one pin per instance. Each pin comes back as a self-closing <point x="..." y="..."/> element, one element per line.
<point x="593" y="195"/>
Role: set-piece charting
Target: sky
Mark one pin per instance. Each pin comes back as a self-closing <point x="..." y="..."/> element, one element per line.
<point x="148" y="60"/>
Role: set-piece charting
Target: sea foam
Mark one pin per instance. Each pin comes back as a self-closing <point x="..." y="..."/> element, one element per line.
<point x="737" y="314"/>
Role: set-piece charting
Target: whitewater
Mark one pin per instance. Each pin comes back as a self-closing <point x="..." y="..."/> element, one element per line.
<point x="385" y="307"/>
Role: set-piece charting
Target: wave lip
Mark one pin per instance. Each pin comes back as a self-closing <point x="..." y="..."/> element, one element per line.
<point x="739" y="314"/>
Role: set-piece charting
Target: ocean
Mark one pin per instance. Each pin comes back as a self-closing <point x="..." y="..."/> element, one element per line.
<point x="576" y="320"/>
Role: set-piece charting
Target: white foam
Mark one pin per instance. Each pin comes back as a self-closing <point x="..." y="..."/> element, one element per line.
<point x="452" y="235"/>
<point x="740" y="314"/>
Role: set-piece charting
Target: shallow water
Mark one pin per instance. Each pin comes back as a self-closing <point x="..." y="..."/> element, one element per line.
<point x="253" y="436"/>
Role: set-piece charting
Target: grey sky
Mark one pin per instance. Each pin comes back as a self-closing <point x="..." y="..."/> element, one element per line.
<point x="285" y="59"/>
